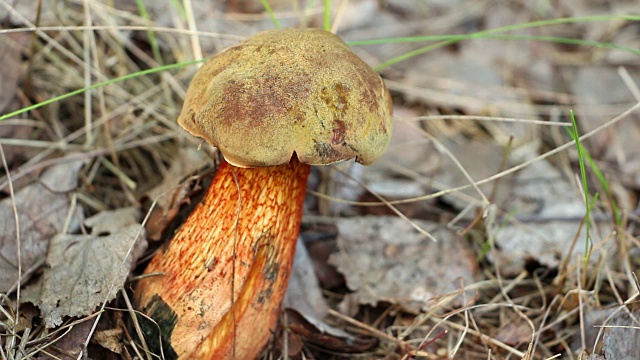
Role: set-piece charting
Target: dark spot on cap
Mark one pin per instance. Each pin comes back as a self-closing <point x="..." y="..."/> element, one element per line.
<point x="254" y="101"/>
<point x="336" y="98"/>
<point x="325" y="151"/>
<point x="339" y="129"/>
<point x="370" y="82"/>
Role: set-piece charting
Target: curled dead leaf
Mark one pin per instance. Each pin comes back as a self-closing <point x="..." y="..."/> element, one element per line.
<point x="83" y="271"/>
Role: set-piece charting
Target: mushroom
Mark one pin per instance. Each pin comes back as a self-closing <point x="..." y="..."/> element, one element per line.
<point x="273" y="105"/>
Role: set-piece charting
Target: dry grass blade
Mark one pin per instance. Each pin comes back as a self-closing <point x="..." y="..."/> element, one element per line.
<point x="512" y="93"/>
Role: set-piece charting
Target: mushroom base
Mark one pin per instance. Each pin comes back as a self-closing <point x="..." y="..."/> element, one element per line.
<point x="206" y="305"/>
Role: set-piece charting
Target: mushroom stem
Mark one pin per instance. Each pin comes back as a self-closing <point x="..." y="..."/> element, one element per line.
<point x="206" y="305"/>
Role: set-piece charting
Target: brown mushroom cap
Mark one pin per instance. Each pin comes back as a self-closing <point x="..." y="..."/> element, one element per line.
<point x="289" y="90"/>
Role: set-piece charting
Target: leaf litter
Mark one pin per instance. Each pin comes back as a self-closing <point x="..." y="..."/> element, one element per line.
<point x="44" y="210"/>
<point x="408" y="269"/>
<point x="543" y="220"/>
<point x="84" y="271"/>
<point x="622" y="336"/>
<point x="173" y="192"/>
<point x="537" y="212"/>
<point x="303" y="292"/>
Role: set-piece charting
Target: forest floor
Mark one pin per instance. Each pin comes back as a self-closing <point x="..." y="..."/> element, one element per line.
<point x="515" y="147"/>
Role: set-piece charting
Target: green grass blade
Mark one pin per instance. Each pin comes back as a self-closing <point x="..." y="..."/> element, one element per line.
<point x="452" y="39"/>
<point x="413" y="53"/>
<point x="570" y="20"/>
<point x="155" y="48"/>
<point x="101" y="84"/>
<point x="573" y="132"/>
<point x="327" y="15"/>
<point x="498" y="33"/>
<point x="605" y="186"/>
<point x="180" y="9"/>
<point x="458" y="38"/>
<point x="484" y="33"/>
<point x="269" y="11"/>
<point x="601" y="178"/>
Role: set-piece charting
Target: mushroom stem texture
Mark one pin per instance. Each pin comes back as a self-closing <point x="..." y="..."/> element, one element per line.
<point x="225" y="272"/>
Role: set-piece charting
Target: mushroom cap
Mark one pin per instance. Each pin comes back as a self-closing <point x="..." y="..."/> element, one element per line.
<point x="289" y="90"/>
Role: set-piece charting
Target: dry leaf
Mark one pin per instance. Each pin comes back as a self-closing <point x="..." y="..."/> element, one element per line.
<point x="69" y="346"/>
<point x="593" y="319"/>
<point x="303" y="292"/>
<point x="622" y="336"/>
<point x="386" y="259"/>
<point x="109" y="339"/>
<point x="326" y="337"/>
<point x="514" y="332"/>
<point x="173" y="192"/>
<point x="43" y="208"/>
<point x="473" y="81"/>
<point x="480" y="160"/>
<point x="304" y="300"/>
<point x="25" y="321"/>
<point x="320" y="249"/>
<point x="107" y="222"/>
<point x="409" y="149"/>
<point x="545" y="212"/>
<point x="83" y="271"/>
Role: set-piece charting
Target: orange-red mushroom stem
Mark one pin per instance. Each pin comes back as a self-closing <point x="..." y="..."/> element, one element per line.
<point x="226" y="270"/>
<point x="279" y="93"/>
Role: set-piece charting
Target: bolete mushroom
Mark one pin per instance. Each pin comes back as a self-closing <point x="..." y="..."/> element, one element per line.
<point x="273" y="105"/>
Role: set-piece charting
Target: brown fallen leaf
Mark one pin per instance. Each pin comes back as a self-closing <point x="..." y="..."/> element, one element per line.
<point x="43" y="208"/>
<point x="25" y="319"/>
<point x="327" y="275"/>
<point x="385" y="259"/>
<point x="173" y="191"/>
<point x="303" y="293"/>
<point x="515" y="332"/>
<point x="304" y="330"/>
<point x="83" y="271"/>
<point x="69" y="346"/>
<point x="110" y="339"/>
